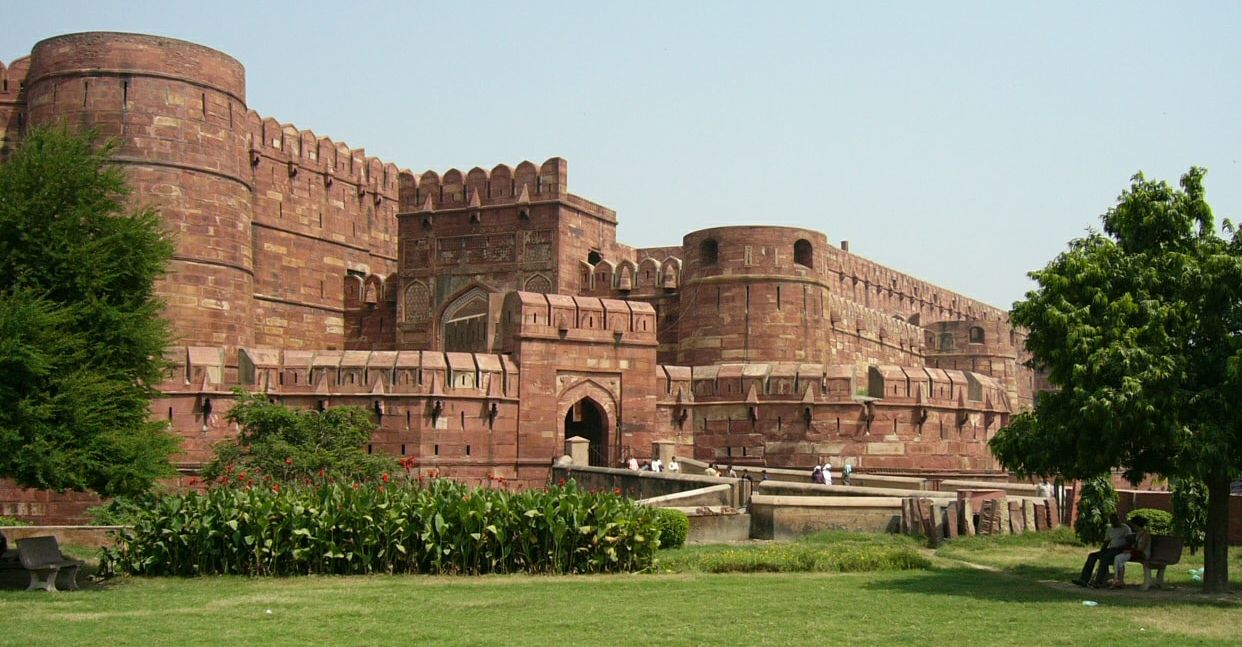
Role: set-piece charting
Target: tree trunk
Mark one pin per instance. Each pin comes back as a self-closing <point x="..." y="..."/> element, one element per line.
<point x="1216" y="539"/>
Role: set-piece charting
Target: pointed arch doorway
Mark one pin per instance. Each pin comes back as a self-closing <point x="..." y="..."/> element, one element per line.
<point x="586" y="419"/>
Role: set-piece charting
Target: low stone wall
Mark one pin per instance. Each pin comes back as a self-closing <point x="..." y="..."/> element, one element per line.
<point x="788" y="517"/>
<point x="783" y="488"/>
<point x="716" y="525"/>
<point x="1019" y="489"/>
<point x="714" y="495"/>
<point x="646" y="485"/>
<point x="857" y="478"/>
<point x="45" y="506"/>
<point x="86" y="536"/>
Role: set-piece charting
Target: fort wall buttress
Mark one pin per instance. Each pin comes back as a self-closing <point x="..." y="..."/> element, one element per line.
<point x="752" y="294"/>
<point x="175" y="109"/>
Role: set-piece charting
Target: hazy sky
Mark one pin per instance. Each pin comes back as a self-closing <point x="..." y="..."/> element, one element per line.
<point x="963" y="143"/>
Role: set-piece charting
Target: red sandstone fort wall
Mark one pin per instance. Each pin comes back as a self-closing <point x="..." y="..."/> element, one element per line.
<point x="321" y="211"/>
<point x="12" y="103"/>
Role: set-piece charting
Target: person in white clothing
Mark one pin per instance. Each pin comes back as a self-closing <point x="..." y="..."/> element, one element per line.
<point x="633" y="463"/>
<point x="827" y="472"/>
<point x="656" y="464"/>
<point x="673" y="466"/>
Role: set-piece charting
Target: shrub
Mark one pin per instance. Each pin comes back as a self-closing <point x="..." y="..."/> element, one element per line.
<point x="1096" y="506"/>
<point x="330" y="528"/>
<point x="674" y="526"/>
<point x="121" y="511"/>
<point x="1159" y="522"/>
<point x="10" y="521"/>
<point x="296" y="444"/>
<point x="1190" y="512"/>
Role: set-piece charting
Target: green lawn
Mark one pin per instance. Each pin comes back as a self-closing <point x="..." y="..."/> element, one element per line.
<point x="949" y="603"/>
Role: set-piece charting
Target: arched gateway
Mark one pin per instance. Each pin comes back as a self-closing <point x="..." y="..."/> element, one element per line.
<point x="587" y="419"/>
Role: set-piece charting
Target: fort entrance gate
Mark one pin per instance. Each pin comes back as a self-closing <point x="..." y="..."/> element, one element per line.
<point x="586" y="419"/>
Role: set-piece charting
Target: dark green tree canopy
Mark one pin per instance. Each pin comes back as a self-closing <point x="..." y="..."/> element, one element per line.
<point x="81" y="338"/>
<point x="1138" y="327"/>
<point x="293" y="445"/>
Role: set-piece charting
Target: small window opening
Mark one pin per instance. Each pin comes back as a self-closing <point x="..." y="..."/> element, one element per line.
<point x="709" y="252"/>
<point x="804" y="254"/>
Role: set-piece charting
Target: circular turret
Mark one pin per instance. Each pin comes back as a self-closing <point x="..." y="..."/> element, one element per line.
<point x="753" y="294"/>
<point x="176" y="110"/>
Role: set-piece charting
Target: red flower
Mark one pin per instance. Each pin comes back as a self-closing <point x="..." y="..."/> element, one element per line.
<point x="616" y="491"/>
<point x="354" y="485"/>
<point x="276" y="488"/>
<point x="241" y="476"/>
<point x="385" y="477"/>
<point x="321" y="472"/>
<point x="561" y="482"/>
<point x="288" y="461"/>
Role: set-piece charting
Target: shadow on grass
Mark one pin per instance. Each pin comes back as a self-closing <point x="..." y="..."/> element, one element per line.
<point x="1022" y="584"/>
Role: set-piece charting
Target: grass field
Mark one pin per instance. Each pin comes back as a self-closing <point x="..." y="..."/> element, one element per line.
<point x="949" y="602"/>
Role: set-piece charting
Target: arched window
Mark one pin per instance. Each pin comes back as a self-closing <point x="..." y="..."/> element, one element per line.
<point x="709" y="252"/>
<point x="976" y="335"/>
<point x="803" y="253"/>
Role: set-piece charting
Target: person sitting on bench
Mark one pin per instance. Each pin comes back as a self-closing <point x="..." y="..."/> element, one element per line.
<point x="1115" y="544"/>
<point x="1138" y="552"/>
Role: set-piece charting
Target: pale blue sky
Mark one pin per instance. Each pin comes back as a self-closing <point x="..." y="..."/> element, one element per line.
<point x="964" y="143"/>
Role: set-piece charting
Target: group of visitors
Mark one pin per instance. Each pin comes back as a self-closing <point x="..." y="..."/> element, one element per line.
<point x="1122" y="544"/>
<point x="673" y="467"/>
<point x="823" y="473"/>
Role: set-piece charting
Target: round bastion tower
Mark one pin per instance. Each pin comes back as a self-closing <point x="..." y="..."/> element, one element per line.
<point x="753" y="294"/>
<point x="176" y="111"/>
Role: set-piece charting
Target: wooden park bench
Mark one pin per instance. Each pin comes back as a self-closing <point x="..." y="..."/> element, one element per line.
<point x="42" y="557"/>
<point x="1166" y="550"/>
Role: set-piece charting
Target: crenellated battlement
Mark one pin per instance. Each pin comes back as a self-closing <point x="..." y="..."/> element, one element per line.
<point x="902" y="293"/>
<point x="560" y="316"/>
<point x="13" y="77"/>
<point x="850" y="316"/>
<point x="302" y="151"/>
<point x="503" y="185"/>
<point x="824" y="383"/>
<point x="341" y="373"/>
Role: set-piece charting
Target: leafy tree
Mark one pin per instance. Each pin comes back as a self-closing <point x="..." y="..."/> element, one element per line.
<point x="81" y="339"/>
<point x="293" y="445"/>
<point x="1138" y="328"/>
